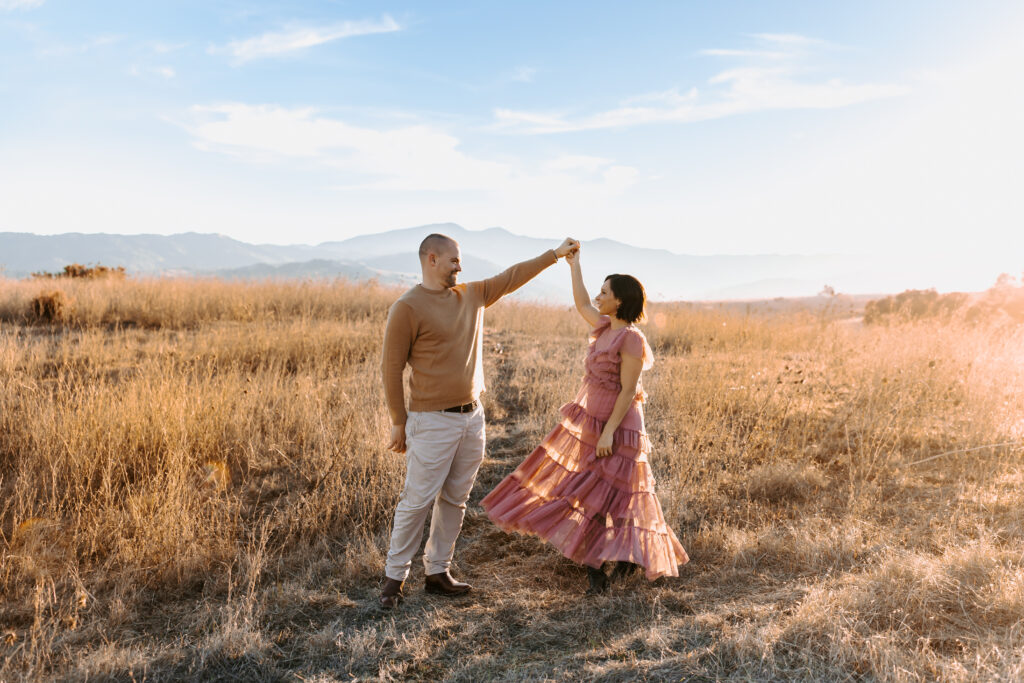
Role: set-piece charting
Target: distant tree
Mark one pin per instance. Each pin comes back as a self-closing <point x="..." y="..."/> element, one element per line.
<point x="914" y="304"/>
<point x="1006" y="280"/>
<point x="77" y="270"/>
<point x="827" y="290"/>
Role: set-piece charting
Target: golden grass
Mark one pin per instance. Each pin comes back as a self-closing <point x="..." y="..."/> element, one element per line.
<point x="193" y="483"/>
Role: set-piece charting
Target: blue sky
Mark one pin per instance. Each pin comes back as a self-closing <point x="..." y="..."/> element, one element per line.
<point x="701" y="127"/>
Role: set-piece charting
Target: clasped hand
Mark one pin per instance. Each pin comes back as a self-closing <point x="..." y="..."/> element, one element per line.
<point x="569" y="246"/>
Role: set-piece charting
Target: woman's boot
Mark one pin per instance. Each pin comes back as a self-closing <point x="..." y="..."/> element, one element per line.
<point x="598" y="580"/>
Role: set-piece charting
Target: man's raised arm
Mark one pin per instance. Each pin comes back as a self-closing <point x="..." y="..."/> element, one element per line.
<point x="511" y="279"/>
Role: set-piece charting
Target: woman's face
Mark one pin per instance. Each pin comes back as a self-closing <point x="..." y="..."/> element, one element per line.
<point x="605" y="301"/>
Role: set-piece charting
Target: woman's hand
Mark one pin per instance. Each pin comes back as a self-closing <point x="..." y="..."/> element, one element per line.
<point x="567" y="247"/>
<point x="604" y="445"/>
<point x="573" y="257"/>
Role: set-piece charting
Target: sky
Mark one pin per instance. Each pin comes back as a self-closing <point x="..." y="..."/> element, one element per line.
<point x="726" y="127"/>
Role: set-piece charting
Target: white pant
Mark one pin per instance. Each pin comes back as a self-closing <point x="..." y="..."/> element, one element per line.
<point x="443" y="454"/>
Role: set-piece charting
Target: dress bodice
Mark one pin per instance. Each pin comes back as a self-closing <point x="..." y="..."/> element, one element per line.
<point x="604" y="354"/>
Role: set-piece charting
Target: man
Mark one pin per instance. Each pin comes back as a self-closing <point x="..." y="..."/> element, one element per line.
<point x="436" y="328"/>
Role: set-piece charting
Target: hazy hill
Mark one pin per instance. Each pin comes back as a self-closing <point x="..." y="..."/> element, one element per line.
<point x="667" y="275"/>
<point x="316" y="268"/>
<point x="24" y="253"/>
<point x="391" y="257"/>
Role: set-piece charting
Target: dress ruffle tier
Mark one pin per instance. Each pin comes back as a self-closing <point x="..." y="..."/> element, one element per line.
<point x="594" y="510"/>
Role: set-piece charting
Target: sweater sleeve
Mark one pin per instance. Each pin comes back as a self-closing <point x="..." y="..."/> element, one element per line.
<point x="511" y="279"/>
<point x="397" y="342"/>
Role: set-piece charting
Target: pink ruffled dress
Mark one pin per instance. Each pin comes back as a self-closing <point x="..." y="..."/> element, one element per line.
<point x="594" y="510"/>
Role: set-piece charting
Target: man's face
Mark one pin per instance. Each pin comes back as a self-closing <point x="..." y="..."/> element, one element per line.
<point x="449" y="264"/>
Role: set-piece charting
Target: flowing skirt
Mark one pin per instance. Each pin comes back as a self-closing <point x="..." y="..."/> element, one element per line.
<point x="594" y="510"/>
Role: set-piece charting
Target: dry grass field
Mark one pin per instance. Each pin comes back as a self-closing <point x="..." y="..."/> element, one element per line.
<point x="193" y="485"/>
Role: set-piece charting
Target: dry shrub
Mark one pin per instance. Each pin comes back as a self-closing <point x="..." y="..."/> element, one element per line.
<point x="784" y="482"/>
<point x="50" y="306"/>
<point x="914" y="304"/>
<point x="1002" y="303"/>
<point x="920" y="612"/>
<point x="77" y="270"/>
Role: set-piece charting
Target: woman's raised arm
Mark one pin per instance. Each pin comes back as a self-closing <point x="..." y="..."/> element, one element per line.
<point x="579" y="290"/>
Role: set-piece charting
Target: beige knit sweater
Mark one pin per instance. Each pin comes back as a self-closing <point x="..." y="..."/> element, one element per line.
<point x="438" y="333"/>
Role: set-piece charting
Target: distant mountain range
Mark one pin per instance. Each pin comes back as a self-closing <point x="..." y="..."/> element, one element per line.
<point x="391" y="257"/>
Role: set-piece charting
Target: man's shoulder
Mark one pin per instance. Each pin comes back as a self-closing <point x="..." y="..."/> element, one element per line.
<point x="473" y="289"/>
<point x="404" y="305"/>
<point x="411" y="298"/>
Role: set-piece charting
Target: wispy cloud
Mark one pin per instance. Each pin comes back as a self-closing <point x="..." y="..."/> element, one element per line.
<point x="96" y="43"/>
<point x="415" y="157"/>
<point x="772" y="75"/>
<point x="523" y="74"/>
<point x="162" y="71"/>
<point x="790" y="39"/>
<point x="755" y="54"/>
<point x="162" y="47"/>
<point x="274" y="44"/>
<point x="20" y="4"/>
<point x="670" y="97"/>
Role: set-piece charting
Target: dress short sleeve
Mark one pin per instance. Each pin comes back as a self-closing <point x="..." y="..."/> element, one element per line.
<point x="635" y="344"/>
<point x="603" y="323"/>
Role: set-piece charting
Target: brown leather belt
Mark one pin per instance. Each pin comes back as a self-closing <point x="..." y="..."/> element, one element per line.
<point x="464" y="408"/>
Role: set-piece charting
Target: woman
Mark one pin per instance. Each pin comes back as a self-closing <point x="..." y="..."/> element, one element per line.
<point x="587" y="489"/>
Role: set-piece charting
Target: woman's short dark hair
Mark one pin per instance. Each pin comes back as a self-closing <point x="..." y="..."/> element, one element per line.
<point x="631" y="295"/>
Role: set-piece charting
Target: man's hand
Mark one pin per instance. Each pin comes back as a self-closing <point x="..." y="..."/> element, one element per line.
<point x="567" y="247"/>
<point x="397" y="439"/>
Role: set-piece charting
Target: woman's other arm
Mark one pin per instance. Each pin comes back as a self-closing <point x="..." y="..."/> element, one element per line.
<point x="629" y="375"/>
<point x="579" y="290"/>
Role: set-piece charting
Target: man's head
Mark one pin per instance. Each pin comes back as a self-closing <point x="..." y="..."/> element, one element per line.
<point x="440" y="260"/>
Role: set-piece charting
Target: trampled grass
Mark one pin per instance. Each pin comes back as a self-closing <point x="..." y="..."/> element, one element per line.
<point x="193" y="483"/>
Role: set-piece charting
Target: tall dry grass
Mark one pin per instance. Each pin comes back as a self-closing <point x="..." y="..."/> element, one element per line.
<point x="155" y="303"/>
<point x="193" y="484"/>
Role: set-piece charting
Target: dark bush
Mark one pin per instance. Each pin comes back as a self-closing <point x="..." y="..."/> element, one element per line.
<point x="1004" y="301"/>
<point x="50" y="306"/>
<point x="77" y="270"/>
<point x="914" y="304"/>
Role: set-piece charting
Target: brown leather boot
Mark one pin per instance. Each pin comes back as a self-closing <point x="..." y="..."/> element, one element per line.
<point x="444" y="584"/>
<point x="391" y="593"/>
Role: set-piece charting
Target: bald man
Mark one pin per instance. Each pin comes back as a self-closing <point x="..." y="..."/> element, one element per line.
<point x="436" y="328"/>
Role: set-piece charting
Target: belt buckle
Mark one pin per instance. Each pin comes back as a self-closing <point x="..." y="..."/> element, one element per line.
<point x="464" y="408"/>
